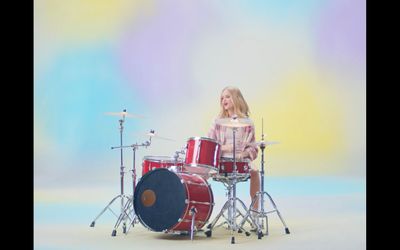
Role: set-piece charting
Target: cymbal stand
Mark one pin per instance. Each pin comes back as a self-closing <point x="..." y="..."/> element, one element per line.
<point x="230" y="204"/>
<point x="122" y="196"/>
<point x="128" y="209"/>
<point x="260" y="196"/>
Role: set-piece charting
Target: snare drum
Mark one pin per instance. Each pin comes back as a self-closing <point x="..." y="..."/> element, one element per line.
<point x="163" y="201"/>
<point x="153" y="162"/>
<point x="225" y="173"/>
<point x="226" y="166"/>
<point x="202" y="156"/>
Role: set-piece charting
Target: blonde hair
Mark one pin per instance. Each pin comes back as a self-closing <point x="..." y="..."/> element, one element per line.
<point x="240" y="106"/>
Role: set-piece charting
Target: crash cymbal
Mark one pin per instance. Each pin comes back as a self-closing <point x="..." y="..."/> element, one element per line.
<point x="153" y="134"/>
<point x="124" y="113"/>
<point x="234" y="122"/>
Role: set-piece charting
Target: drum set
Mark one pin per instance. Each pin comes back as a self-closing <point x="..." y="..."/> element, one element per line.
<point x="173" y="194"/>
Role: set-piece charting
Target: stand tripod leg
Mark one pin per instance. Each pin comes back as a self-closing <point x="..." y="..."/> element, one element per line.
<point x="253" y="221"/>
<point x="240" y="225"/>
<point x="193" y="210"/>
<point x="231" y="219"/>
<point x="262" y="214"/>
<point x="212" y="224"/>
<point x="134" y="220"/>
<point x="124" y="216"/>
<point x="245" y="219"/>
<point x="109" y="204"/>
<point x="114" y="232"/>
<point x="279" y="214"/>
<point x="236" y="213"/>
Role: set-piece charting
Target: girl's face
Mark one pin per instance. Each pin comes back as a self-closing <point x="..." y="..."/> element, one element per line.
<point x="226" y="100"/>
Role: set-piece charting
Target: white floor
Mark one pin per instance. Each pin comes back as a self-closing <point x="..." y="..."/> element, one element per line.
<point x="315" y="222"/>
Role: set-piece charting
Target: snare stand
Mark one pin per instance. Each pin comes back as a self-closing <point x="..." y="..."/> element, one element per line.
<point x="260" y="195"/>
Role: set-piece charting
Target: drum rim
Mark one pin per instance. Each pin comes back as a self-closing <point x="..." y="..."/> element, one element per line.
<point x="170" y="159"/>
<point x="204" y="138"/>
<point x="229" y="159"/>
<point x="211" y="202"/>
<point x="196" y="165"/>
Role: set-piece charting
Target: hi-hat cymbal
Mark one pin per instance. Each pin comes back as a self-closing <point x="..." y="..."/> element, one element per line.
<point x="124" y="113"/>
<point x="234" y="122"/>
<point x="266" y="143"/>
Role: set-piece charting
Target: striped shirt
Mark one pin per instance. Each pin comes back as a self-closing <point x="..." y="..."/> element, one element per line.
<point x="244" y="138"/>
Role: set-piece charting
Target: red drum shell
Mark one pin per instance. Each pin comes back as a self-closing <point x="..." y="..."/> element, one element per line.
<point x="226" y="166"/>
<point x="202" y="156"/>
<point x="150" y="163"/>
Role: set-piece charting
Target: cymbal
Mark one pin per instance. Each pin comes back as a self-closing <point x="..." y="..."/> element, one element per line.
<point x="266" y="143"/>
<point x="234" y="122"/>
<point x="124" y="113"/>
<point x="152" y="134"/>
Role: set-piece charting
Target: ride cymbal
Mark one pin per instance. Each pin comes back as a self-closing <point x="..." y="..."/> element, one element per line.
<point x="234" y="122"/>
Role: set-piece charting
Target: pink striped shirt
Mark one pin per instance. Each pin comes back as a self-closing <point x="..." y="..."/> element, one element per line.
<point x="244" y="138"/>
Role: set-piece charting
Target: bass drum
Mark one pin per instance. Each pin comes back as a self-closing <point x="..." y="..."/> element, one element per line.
<point x="163" y="201"/>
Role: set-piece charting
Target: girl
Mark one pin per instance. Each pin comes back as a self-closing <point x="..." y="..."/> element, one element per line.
<point x="233" y="105"/>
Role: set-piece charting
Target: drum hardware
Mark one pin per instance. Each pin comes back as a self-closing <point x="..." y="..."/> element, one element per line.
<point x="122" y="196"/>
<point x="230" y="204"/>
<point x="230" y="219"/>
<point x="193" y="211"/>
<point x="178" y="152"/>
<point x="260" y="196"/>
<point x="128" y="209"/>
<point x="123" y="216"/>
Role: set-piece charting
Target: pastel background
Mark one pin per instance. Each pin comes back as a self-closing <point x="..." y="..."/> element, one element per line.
<point x="301" y="65"/>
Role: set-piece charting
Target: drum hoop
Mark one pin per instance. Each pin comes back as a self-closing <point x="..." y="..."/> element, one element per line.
<point x="170" y="160"/>
<point x="200" y="165"/>
<point x="197" y="138"/>
<point x="227" y="159"/>
<point x="230" y="176"/>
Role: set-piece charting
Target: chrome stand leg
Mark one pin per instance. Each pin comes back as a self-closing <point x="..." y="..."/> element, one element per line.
<point x="193" y="210"/>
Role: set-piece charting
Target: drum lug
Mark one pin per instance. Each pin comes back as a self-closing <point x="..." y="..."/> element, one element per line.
<point x="182" y="181"/>
<point x="186" y="201"/>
